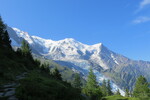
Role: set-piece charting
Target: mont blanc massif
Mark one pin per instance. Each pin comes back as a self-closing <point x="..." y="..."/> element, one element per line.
<point x="79" y="57"/>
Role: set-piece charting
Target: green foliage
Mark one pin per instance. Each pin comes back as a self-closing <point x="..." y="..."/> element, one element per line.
<point x="91" y="81"/>
<point x="56" y="74"/>
<point x="127" y="94"/>
<point x="77" y="81"/>
<point x="2" y="27"/>
<point x="118" y="92"/>
<point x="44" y="67"/>
<point x="106" y="88"/>
<point x="67" y="73"/>
<point x="25" y="49"/>
<point x="5" y="41"/>
<point x="141" y="89"/>
<point x="91" y="89"/>
<point x="109" y="92"/>
<point x="37" y="86"/>
<point x="118" y="97"/>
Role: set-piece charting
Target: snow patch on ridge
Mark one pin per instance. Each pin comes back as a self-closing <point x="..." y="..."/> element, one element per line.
<point x="24" y="35"/>
<point x="112" y="56"/>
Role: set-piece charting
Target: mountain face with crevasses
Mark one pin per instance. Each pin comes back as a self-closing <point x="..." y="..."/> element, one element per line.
<point x="107" y="64"/>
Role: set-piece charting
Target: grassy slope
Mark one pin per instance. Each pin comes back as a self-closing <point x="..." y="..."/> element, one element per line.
<point x="38" y="86"/>
<point x="10" y="66"/>
<point x="117" y="97"/>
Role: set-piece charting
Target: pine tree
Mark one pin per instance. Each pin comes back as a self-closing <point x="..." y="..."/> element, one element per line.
<point x="118" y="92"/>
<point x="127" y="94"/>
<point x="44" y="67"/>
<point x="5" y="41"/>
<point x="141" y="88"/>
<point x="25" y="48"/>
<point x="57" y="74"/>
<point x="91" y="88"/>
<point x="131" y="93"/>
<point x="104" y="88"/>
<point x="109" y="92"/>
<point x="2" y="27"/>
<point x="77" y="81"/>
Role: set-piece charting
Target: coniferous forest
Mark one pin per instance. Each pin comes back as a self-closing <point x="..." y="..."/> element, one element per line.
<point x="32" y="79"/>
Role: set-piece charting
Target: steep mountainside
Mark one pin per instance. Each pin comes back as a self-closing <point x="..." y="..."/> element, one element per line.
<point x="69" y="52"/>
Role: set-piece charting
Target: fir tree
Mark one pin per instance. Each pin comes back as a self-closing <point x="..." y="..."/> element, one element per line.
<point x="104" y="88"/>
<point x="44" y="67"/>
<point x="127" y="94"/>
<point x="91" y="88"/>
<point x="5" y="41"/>
<point x="2" y="27"/>
<point x="25" y="48"/>
<point x="131" y="93"/>
<point x="57" y="74"/>
<point x="118" y="92"/>
<point x="109" y="92"/>
<point x="141" y="88"/>
<point x="77" y="81"/>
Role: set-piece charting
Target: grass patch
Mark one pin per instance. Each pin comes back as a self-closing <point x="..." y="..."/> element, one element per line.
<point x="118" y="97"/>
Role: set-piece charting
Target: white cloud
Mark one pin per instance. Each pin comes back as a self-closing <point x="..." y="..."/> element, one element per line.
<point x="141" y="19"/>
<point x="144" y="3"/>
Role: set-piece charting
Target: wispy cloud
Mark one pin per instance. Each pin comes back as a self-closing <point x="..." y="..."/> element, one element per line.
<point x="144" y="3"/>
<point x="141" y="19"/>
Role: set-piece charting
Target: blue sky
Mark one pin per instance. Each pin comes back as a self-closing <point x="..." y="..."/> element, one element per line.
<point x="121" y="25"/>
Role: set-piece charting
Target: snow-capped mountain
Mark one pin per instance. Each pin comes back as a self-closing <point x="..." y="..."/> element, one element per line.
<point x="70" y="50"/>
<point x="78" y="56"/>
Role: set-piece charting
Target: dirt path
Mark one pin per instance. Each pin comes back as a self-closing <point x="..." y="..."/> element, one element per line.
<point x="8" y="90"/>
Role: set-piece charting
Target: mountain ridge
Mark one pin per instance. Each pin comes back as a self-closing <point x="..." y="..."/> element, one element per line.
<point x="120" y="69"/>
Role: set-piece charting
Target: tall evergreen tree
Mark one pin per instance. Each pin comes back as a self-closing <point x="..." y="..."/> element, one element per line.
<point x="141" y="88"/>
<point x="131" y="93"/>
<point x="5" y="41"/>
<point x="26" y="51"/>
<point x="118" y="92"/>
<point x="2" y="27"/>
<point x="104" y="87"/>
<point x="109" y="92"/>
<point x="44" y="67"/>
<point x="91" y="88"/>
<point x="127" y="93"/>
<point x="77" y="81"/>
<point x="57" y="74"/>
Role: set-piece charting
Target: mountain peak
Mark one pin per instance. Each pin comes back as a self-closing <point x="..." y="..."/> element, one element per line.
<point x="69" y="39"/>
<point x="21" y="33"/>
<point x="98" y="45"/>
